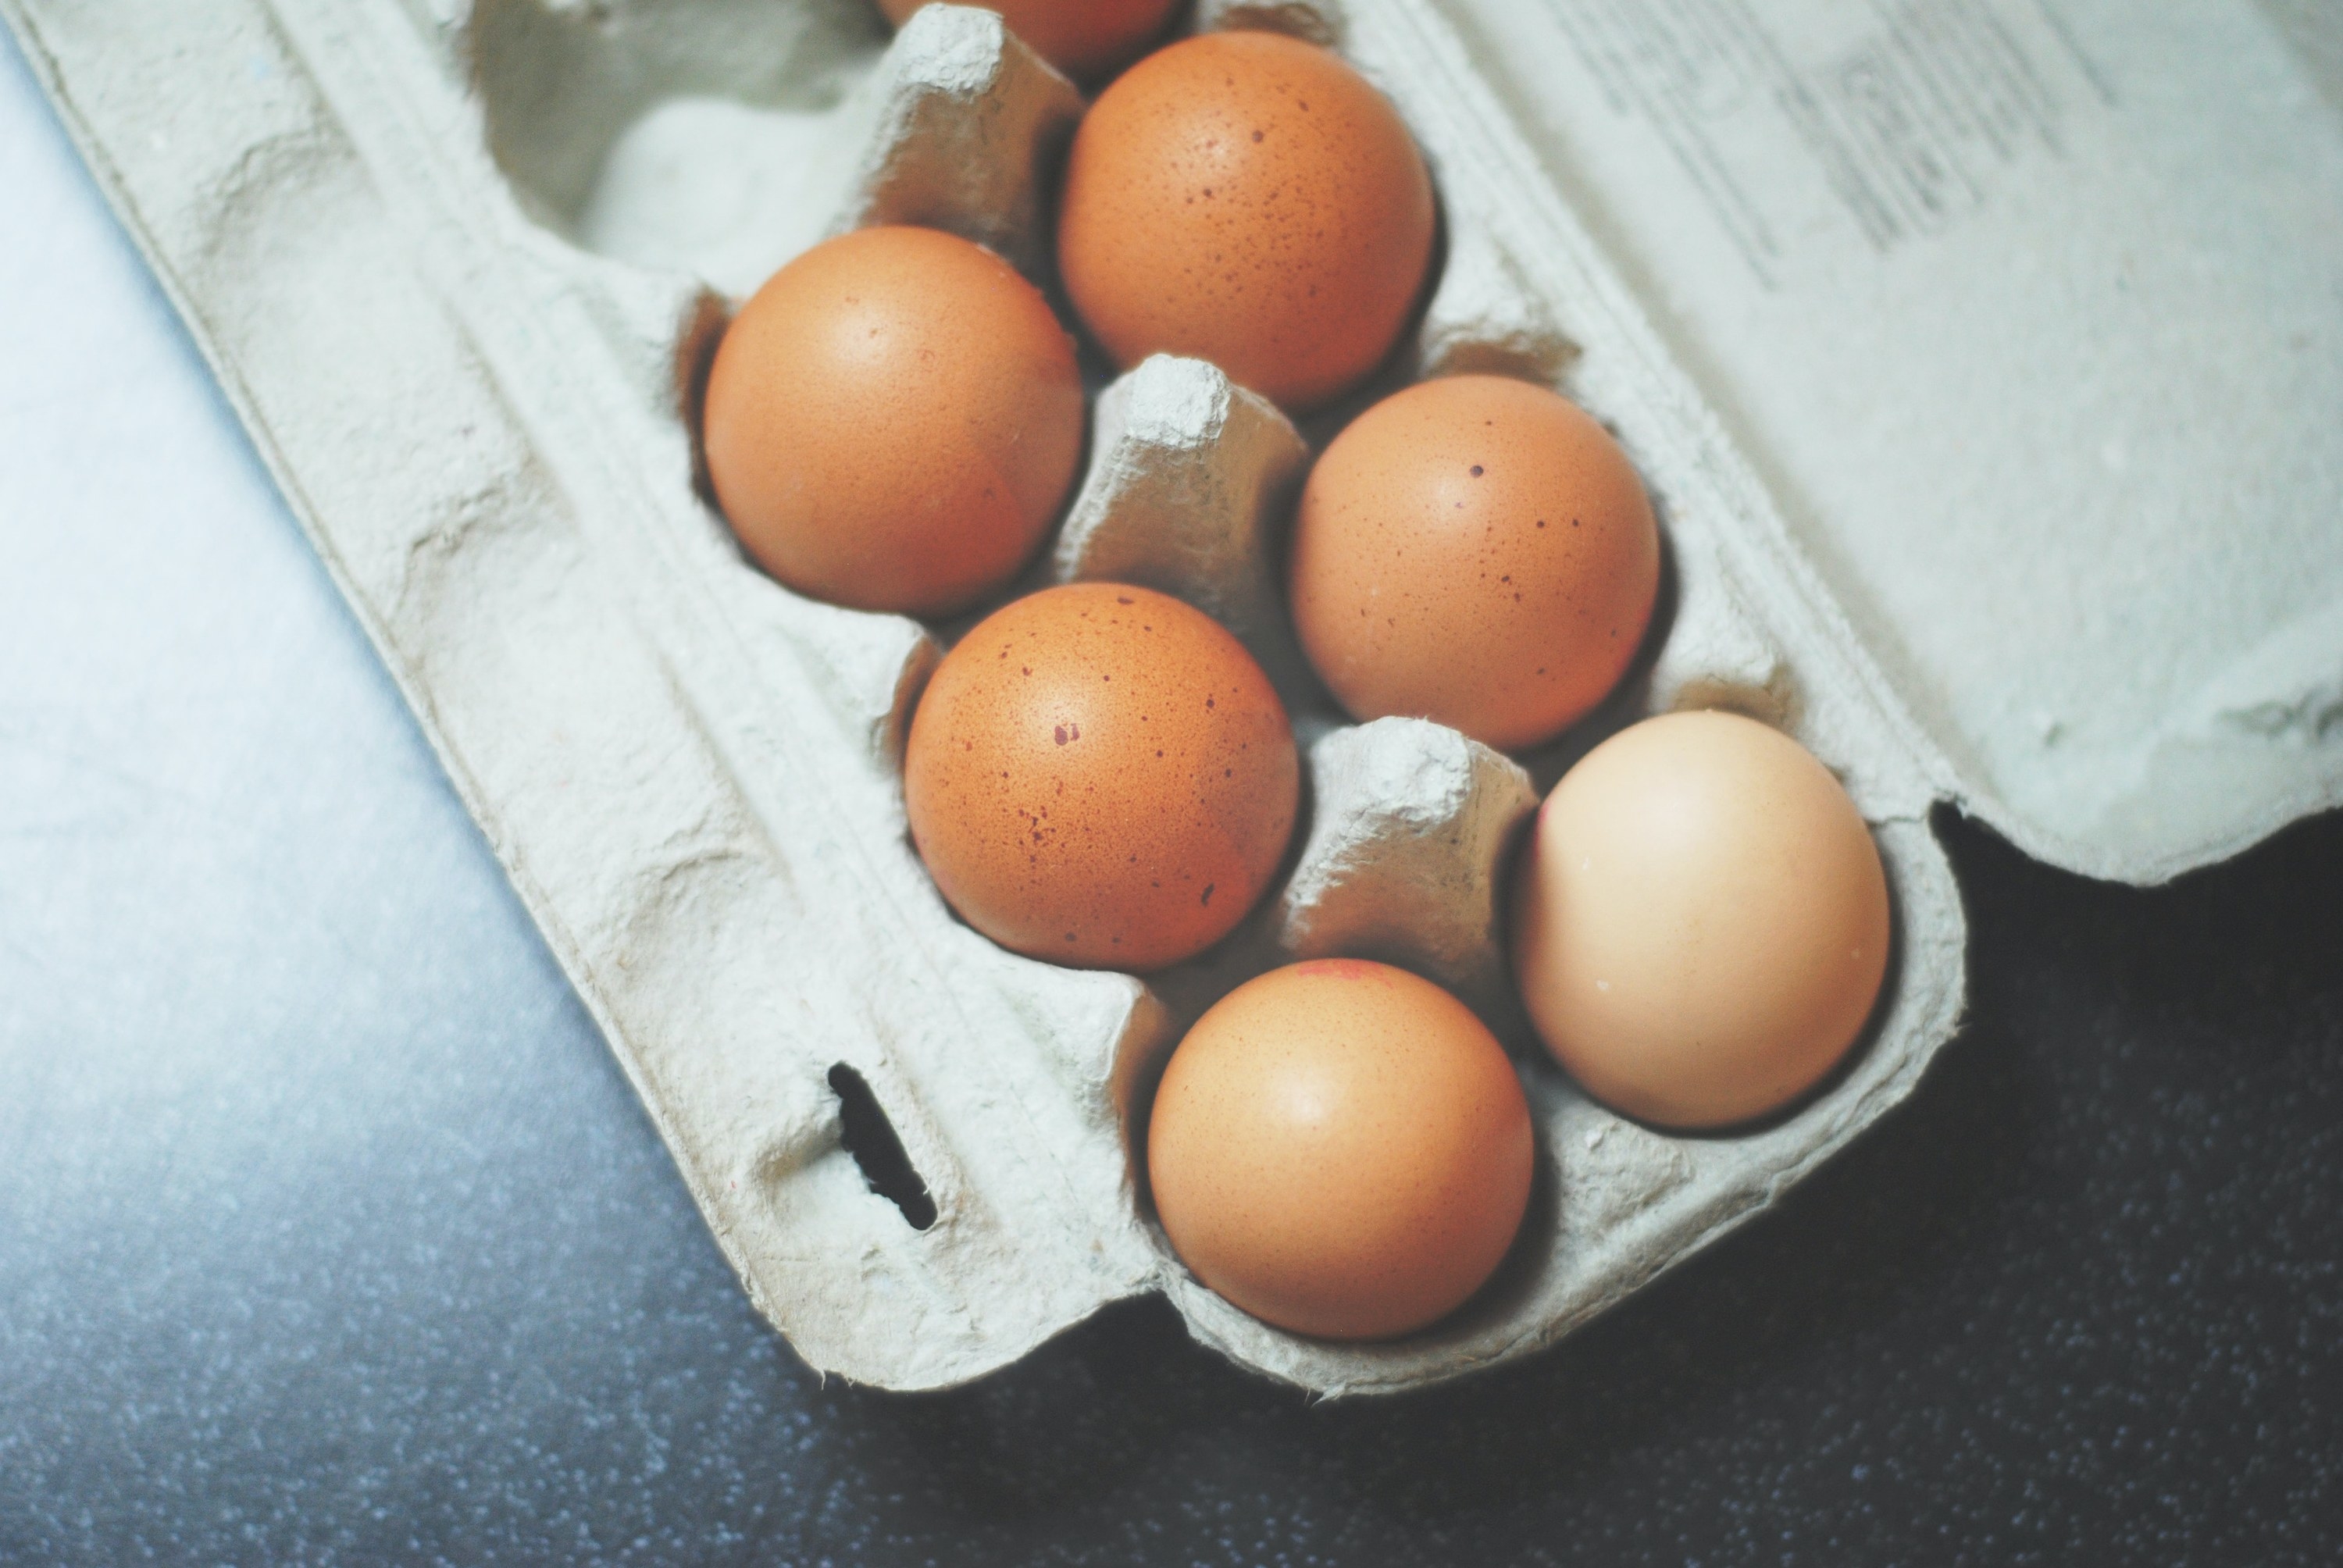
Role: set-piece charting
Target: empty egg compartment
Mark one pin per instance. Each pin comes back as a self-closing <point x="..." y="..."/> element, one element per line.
<point x="721" y="137"/>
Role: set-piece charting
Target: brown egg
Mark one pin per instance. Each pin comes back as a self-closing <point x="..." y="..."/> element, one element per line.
<point x="1341" y="1148"/>
<point x="1701" y="922"/>
<point x="1084" y="38"/>
<point x="1476" y="550"/>
<point x="1102" y="776"/>
<point x="893" y="420"/>
<point x="1248" y="199"/>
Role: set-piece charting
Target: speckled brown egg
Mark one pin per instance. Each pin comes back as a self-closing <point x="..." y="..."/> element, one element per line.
<point x="1102" y="776"/>
<point x="1248" y="199"/>
<point x="1084" y="38"/>
<point x="1476" y="550"/>
<point x="1341" y="1148"/>
<point x="1701" y="922"/>
<point x="892" y="421"/>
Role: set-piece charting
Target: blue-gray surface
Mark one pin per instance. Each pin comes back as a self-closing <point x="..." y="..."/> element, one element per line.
<point x="328" y="1232"/>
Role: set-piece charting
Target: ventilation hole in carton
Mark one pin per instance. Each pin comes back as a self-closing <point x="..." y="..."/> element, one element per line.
<point x="871" y="1137"/>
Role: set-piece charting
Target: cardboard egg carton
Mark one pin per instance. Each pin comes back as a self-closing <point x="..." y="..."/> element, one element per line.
<point x="460" y="266"/>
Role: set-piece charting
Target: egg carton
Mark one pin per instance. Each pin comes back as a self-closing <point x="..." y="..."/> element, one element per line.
<point x="461" y="266"/>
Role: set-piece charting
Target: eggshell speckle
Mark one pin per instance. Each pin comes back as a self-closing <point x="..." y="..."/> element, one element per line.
<point x="893" y="420"/>
<point x="1341" y="1148"/>
<point x="1701" y="926"/>
<point x="1100" y="776"/>
<point x="1248" y="199"/>
<point x="1476" y="550"/>
<point x="1084" y="38"/>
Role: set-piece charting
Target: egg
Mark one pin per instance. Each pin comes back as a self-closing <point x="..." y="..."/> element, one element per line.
<point x="892" y="421"/>
<point x="1248" y="199"/>
<point x="1086" y="39"/>
<point x="1100" y="776"/>
<point x="1476" y="550"/>
<point x="1341" y="1148"/>
<point x="1701" y="922"/>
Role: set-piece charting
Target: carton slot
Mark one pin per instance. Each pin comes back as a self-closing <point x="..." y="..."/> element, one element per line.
<point x="878" y="1152"/>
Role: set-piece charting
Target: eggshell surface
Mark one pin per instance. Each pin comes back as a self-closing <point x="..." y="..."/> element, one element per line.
<point x="1100" y="776"/>
<point x="892" y="421"/>
<point x="1084" y="38"/>
<point x="1341" y="1148"/>
<point x="1248" y="199"/>
<point x="1476" y="550"/>
<point x="1701" y="922"/>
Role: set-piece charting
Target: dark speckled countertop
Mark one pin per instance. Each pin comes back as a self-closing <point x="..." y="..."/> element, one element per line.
<point x="331" y="1234"/>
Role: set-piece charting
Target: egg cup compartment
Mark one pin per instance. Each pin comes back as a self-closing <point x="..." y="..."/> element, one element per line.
<point x="692" y="774"/>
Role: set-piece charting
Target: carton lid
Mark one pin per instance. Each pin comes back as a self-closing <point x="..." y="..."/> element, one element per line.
<point x="2030" y="315"/>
